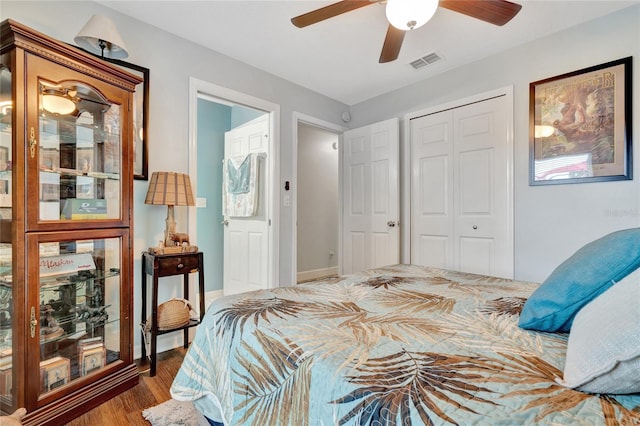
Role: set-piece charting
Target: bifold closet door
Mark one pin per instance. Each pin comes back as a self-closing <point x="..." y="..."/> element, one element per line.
<point x="461" y="194"/>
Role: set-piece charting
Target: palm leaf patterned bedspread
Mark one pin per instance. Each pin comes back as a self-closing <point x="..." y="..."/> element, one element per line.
<point x="400" y="345"/>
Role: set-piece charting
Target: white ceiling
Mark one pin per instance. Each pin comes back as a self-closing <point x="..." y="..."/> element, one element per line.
<point x="339" y="57"/>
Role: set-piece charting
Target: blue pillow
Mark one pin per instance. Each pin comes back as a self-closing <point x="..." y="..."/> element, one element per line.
<point x="581" y="278"/>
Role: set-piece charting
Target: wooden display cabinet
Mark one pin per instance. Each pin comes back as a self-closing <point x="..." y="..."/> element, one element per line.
<point x="66" y="154"/>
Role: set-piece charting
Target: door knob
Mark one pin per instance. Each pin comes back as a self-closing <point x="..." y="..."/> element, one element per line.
<point x="225" y="222"/>
<point x="391" y="224"/>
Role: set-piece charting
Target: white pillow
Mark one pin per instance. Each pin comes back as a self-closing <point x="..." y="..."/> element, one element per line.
<point x="603" y="351"/>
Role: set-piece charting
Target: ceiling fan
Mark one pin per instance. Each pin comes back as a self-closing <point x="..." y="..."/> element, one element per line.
<point x="404" y="15"/>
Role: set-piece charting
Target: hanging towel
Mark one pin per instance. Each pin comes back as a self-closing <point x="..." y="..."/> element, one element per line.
<point x="240" y="185"/>
<point x="239" y="175"/>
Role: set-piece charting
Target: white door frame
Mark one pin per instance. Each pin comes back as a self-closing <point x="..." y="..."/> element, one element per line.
<point x="298" y="118"/>
<point x="405" y="236"/>
<point x="197" y="87"/>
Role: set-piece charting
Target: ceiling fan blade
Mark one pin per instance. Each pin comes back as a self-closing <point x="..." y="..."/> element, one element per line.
<point x="497" y="12"/>
<point x="392" y="44"/>
<point x="330" y="11"/>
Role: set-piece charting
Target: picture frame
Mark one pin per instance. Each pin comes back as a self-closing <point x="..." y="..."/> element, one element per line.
<point x="4" y="158"/>
<point x="580" y="125"/>
<point x="140" y="119"/>
<point x="54" y="373"/>
<point x="92" y="360"/>
<point x="49" y="158"/>
<point x="6" y="388"/>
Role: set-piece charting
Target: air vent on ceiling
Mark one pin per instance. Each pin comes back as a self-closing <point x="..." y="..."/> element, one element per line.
<point x="425" y="60"/>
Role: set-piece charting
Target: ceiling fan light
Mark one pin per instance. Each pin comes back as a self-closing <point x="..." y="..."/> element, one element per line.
<point x="410" y="14"/>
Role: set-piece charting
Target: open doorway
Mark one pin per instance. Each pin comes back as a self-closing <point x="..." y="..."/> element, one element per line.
<point x="215" y="112"/>
<point x="317" y="195"/>
<point x="318" y="203"/>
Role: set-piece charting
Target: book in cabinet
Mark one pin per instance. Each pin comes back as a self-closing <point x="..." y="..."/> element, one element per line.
<point x="66" y="331"/>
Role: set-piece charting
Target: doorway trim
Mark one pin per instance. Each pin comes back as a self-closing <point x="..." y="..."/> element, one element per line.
<point x="225" y="95"/>
<point x="299" y="118"/>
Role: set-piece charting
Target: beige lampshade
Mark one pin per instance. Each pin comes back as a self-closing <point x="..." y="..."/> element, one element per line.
<point x="170" y="189"/>
<point x="100" y="35"/>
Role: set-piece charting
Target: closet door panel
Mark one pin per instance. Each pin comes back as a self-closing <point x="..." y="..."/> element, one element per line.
<point x="461" y="217"/>
<point x="432" y="220"/>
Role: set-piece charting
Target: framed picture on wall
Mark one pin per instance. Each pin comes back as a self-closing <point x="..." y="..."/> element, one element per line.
<point x="580" y="125"/>
<point x="140" y="119"/>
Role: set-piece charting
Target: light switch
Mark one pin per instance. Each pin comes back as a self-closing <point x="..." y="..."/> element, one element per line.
<point x="201" y="202"/>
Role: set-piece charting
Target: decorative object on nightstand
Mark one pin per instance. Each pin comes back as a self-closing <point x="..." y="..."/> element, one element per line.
<point x="171" y="189"/>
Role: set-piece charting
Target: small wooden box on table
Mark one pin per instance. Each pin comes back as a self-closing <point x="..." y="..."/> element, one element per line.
<point x="165" y="265"/>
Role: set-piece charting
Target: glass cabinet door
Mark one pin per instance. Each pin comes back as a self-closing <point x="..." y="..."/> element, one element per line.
<point x="6" y="252"/>
<point x="78" y="316"/>
<point x="75" y="147"/>
<point x="79" y="153"/>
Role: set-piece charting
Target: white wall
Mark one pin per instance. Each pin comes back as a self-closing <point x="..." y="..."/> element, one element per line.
<point x="551" y="221"/>
<point x="172" y="61"/>
<point x="317" y="198"/>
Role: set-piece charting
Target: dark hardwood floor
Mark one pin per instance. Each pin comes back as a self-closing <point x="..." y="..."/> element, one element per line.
<point x="126" y="408"/>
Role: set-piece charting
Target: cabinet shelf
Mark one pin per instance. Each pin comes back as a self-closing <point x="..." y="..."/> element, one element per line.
<point x="73" y="172"/>
<point x="71" y="132"/>
<point x="86" y="332"/>
<point x="75" y="279"/>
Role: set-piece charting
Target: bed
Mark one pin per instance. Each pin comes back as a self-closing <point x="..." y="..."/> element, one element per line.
<point x="398" y="345"/>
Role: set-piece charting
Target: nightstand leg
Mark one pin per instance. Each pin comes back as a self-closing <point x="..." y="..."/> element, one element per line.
<point x="185" y="335"/>
<point x="144" y="308"/>
<point x="201" y="285"/>
<point x="154" y="325"/>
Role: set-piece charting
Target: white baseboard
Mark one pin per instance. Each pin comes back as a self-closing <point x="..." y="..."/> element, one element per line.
<point x="316" y="273"/>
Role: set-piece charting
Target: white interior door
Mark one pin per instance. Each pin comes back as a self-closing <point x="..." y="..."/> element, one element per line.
<point x="461" y="193"/>
<point x="432" y="211"/>
<point x="370" y="191"/>
<point x="246" y="239"/>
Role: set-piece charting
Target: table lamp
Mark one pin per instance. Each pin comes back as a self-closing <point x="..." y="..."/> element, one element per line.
<point x="100" y="35"/>
<point x="170" y="189"/>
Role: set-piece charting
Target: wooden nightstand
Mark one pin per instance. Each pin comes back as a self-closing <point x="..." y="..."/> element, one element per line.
<point x="165" y="265"/>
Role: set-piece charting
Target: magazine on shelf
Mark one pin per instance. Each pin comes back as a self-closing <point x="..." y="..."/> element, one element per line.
<point x="66" y="264"/>
<point x="90" y="341"/>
